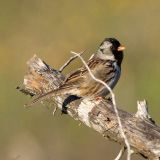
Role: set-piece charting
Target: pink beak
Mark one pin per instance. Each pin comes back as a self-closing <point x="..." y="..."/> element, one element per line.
<point x="121" y="48"/>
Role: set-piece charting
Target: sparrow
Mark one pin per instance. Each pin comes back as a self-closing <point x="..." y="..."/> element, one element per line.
<point x="105" y="65"/>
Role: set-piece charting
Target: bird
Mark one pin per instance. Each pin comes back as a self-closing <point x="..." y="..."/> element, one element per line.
<point x="105" y="65"/>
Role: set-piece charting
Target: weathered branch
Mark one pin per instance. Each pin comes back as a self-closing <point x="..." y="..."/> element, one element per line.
<point x="142" y="133"/>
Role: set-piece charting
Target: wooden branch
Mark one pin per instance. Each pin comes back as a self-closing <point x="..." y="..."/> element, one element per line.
<point x="68" y="62"/>
<point x="142" y="133"/>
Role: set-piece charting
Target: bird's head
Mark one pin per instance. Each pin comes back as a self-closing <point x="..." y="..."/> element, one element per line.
<point x="111" y="49"/>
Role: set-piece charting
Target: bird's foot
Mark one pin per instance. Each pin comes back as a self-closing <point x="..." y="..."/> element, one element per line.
<point x="99" y="98"/>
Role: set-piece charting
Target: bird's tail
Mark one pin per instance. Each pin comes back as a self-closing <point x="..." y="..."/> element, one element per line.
<point x="42" y="97"/>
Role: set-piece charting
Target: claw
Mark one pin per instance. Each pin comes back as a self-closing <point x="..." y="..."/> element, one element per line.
<point x="99" y="98"/>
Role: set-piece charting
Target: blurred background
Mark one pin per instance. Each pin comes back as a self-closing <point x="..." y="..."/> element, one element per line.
<point x="51" y="29"/>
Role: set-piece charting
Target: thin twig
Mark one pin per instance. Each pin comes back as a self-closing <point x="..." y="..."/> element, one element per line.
<point x="120" y="154"/>
<point x="54" y="111"/>
<point x="114" y="104"/>
<point x="69" y="61"/>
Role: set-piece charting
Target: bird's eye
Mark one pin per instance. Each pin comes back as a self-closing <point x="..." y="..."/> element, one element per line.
<point x="112" y="48"/>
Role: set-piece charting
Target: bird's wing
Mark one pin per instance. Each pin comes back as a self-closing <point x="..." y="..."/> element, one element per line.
<point x="72" y="80"/>
<point x="77" y="77"/>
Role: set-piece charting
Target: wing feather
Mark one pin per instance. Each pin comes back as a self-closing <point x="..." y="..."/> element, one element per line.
<point x="78" y="77"/>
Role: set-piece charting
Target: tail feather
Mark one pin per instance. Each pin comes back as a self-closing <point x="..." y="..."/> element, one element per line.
<point x="41" y="98"/>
